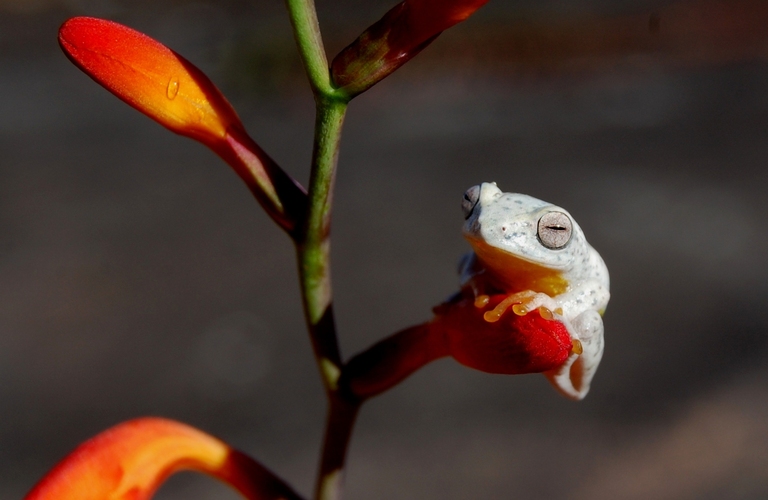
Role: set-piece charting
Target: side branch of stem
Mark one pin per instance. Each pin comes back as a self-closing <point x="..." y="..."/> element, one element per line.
<point x="281" y="196"/>
<point x="393" y="359"/>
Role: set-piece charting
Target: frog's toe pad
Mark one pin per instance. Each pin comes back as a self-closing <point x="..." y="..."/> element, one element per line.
<point x="521" y="303"/>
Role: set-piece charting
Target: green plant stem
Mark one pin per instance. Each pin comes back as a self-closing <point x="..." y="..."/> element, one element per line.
<point x="313" y="247"/>
<point x="314" y="264"/>
<point x="306" y="29"/>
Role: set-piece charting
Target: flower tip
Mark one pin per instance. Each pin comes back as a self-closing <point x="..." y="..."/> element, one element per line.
<point x="404" y="31"/>
<point x="149" y="77"/>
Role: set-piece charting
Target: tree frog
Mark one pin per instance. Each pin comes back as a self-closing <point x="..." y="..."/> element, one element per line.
<point x="536" y="254"/>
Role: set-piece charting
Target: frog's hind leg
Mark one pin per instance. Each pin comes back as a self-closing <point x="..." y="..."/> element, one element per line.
<point x="573" y="378"/>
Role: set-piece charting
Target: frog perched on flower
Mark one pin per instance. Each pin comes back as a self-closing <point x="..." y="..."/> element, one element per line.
<point x="536" y="254"/>
<point x="529" y="256"/>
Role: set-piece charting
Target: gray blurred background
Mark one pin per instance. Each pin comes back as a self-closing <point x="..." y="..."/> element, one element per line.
<point x="139" y="277"/>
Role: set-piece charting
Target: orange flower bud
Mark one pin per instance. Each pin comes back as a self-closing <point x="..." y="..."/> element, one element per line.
<point x="150" y="77"/>
<point x="169" y="89"/>
<point x="132" y="459"/>
<point x="392" y="41"/>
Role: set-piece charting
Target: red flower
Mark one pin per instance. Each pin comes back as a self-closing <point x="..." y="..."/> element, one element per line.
<point x="513" y="344"/>
<point x="398" y="36"/>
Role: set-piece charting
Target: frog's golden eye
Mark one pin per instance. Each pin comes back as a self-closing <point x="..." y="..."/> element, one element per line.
<point x="469" y="201"/>
<point x="555" y="230"/>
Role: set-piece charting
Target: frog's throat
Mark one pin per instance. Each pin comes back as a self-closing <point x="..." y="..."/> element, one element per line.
<point x="513" y="274"/>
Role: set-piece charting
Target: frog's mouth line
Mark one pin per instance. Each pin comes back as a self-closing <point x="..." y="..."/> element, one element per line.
<point x="481" y="247"/>
<point x="515" y="273"/>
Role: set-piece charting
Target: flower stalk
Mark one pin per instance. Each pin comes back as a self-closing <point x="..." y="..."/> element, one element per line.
<point x="313" y="248"/>
<point x="314" y="245"/>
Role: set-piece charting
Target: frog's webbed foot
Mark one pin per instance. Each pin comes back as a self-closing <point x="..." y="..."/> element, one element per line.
<point x="521" y="303"/>
<point x="574" y="376"/>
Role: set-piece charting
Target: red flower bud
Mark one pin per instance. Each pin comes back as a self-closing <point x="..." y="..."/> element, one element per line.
<point x="392" y="41"/>
<point x="150" y="77"/>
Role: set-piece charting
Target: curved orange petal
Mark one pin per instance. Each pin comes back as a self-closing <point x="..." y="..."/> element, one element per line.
<point x="149" y="76"/>
<point x="131" y="460"/>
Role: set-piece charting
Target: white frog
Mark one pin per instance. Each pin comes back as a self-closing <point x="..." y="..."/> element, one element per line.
<point x="537" y="254"/>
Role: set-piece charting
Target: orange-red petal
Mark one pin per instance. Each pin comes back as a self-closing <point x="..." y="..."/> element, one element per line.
<point x="149" y="76"/>
<point x="132" y="459"/>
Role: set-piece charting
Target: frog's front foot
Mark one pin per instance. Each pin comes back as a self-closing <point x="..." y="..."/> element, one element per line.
<point x="521" y="303"/>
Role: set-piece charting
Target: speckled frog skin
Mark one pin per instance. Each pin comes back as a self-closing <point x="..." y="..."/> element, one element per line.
<point x="536" y="253"/>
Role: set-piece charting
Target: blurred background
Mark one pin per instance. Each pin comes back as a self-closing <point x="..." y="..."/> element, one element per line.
<point x="139" y="277"/>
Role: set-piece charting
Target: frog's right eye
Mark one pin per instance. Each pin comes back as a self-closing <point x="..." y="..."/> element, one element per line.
<point x="554" y="230"/>
<point x="469" y="201"/>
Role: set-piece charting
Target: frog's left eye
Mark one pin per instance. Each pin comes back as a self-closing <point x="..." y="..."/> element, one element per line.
<point x="555" y="230"/>
<point x="469" y="201"/>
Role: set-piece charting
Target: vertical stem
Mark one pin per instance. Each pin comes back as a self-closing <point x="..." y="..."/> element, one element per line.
<point x="314" y="247"/>
<point x="314" y="264"/>
<point x="338" y="431"/>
